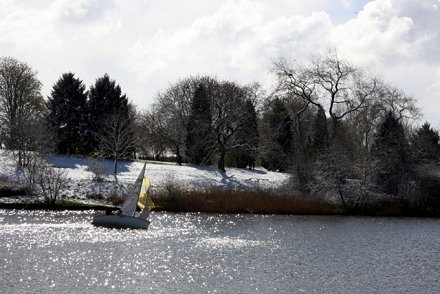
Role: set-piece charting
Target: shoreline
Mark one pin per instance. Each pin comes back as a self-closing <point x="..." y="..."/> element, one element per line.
<point x="98" y="207"/>
<point x="54" y="207"/>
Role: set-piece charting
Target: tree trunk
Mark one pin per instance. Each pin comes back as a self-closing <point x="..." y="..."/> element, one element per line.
<point x="179" y="157"/>
<point x="334" y="128"/>
<point x="20" y="158"/>
<point x="221" y="160"/>
<point x="115" y="168"/>
<point x="341" y="195"/>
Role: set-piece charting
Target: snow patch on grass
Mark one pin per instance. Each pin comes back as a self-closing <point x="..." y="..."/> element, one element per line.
<point x="187" y="176"/>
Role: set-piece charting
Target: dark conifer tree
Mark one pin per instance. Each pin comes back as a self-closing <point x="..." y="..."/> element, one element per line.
<point x="425" y="145"/>
<point x="68" y="113"/>
<point x="319" y="131"/>
<point x="280" y="124"/>
<point x="246" y="140"/>
<point x="199" y="140"/>
<point x="105" y="100"/>
<point x="390" y="152"/>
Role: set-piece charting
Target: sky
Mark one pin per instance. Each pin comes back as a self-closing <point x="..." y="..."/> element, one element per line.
<point x="145" y="45"/>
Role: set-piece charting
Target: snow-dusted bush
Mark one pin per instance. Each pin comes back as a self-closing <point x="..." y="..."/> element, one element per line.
<point x="44" y="179"/>
<point x="31" y="171"/>
<point x="97" y="167"/>
<point x="172" y="187"/>
<point x="50" y="182"/>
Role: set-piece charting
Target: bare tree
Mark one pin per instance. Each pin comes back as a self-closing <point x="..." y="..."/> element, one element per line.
<point x="228" y="117"/>
<point x="343" y="87"/>
<point x="21" y="106"/>
<point x="327" y="87"/>
<point x="348" y="100"/>
<point x="328" y="83"/>
<point x="168" y="118"/>
<point x="116" y="136"/>
<point x="50" y="182"/>
<point x="298" y="88"/>
<point x="149" y="142"/>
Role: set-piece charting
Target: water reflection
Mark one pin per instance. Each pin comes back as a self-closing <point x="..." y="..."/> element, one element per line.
<point x="60" y="252"/>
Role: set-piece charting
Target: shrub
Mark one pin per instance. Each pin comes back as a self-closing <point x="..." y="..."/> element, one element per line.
<point x="32" y="170"/>
<point x="44" y="179"/>
<point x="171" y="194"/>
<point x="97" y="196"/>
<point x="50" y="183"/>
<point x="97" y="167"/>
<point x="115" y="199"/>
<point x="12" y="188"/>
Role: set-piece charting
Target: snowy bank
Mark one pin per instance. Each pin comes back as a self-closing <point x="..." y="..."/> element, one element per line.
<point x="189" y="177"/>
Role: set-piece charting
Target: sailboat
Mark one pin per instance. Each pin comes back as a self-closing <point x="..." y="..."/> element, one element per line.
<point x="127" y="217"/>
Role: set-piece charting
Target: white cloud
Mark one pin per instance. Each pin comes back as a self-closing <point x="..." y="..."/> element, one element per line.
<point x="144" y="45"/>
<point x="397" y="39"/>
<point x="376" y="34"/>
<point x="7" y="7"/>
<point x="238" y="42"/>
<point x="347" y="3"/>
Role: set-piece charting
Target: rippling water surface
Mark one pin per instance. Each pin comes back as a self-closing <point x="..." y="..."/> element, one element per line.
<point x="60" y="252"/>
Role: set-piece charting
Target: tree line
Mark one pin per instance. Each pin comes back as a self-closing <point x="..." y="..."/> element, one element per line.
<point x="329" y="123"/>
<point x="345" y="132"/>
<point x="205" y="121"/>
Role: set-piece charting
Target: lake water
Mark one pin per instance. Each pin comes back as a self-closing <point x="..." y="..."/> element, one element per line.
<point x="60" y="252"/>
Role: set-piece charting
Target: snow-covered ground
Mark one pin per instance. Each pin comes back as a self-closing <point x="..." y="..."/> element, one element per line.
<point x="78" y="170"/>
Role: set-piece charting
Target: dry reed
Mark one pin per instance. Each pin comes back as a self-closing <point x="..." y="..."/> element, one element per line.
<point x="244" y="201"/>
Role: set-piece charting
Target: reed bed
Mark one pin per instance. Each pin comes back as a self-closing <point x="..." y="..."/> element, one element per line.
<point x="243" y="201"/>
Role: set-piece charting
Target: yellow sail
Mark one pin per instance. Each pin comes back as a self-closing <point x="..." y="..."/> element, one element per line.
<point x="145" y="195"/>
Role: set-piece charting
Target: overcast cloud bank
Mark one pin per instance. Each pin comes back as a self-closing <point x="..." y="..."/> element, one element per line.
<point x="145" y="45"/>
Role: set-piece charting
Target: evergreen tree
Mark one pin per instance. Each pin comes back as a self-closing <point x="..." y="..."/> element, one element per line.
<point x="68" y="113"/>
<point x="105" y="100"/>
<point x="247" y="138"/>
<point x="280" y="125"/>
<point x="319" y="131"/>
<point x="198" y="139"/>
<point x="425" y="144"/>
<point x="390" y="151"/>
<point x="310" y="144"/>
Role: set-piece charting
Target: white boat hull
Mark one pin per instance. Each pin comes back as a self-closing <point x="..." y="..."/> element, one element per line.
<point x="120" y="222"/>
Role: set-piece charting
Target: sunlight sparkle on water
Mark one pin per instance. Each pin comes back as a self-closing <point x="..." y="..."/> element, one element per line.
<point x="60" y="252"/>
